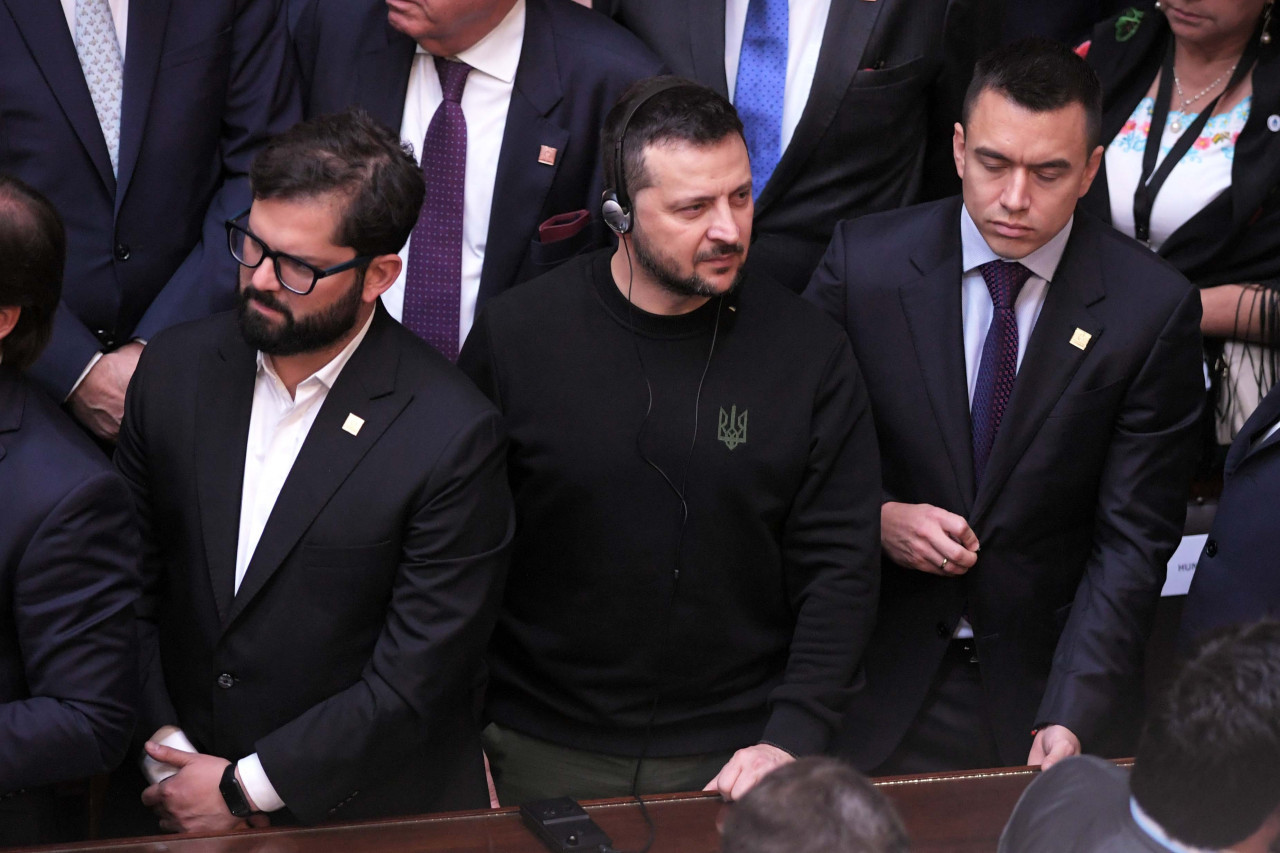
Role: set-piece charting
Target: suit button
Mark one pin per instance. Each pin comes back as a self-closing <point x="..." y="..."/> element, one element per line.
<point x="1211" y="548"/>
<point x="226" y="680"/>
<point x="122" y="251"/>
<point x="941" y="628"/>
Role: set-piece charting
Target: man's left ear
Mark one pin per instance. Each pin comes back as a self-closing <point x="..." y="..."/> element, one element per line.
<point x="9" y="315"/>
<point x="381" y="273"/>
<point x="1091" y="170"/>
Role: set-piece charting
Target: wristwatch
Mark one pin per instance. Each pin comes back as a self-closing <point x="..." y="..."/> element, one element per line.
<point x="237" y="802"/>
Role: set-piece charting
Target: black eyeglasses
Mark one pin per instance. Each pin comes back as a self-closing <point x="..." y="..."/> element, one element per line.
<point x="294" y="274"/>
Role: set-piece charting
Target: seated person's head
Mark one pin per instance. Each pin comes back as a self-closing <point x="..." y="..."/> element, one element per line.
<point x="813" y="805"/>
<point x="33" y="250"/>
<point x="1208" y="765"/>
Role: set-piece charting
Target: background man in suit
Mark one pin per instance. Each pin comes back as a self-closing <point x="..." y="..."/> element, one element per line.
<point x="503" y="101"/>
<point x="691" y="587"/>
<point x="326" y="512"/>
<point x="848" y="105"/>
<point x="68" y="555"/>
<point x="138" y="121"/>
<point x="1072" y="479"/>
<point x="1205" y="773"/>
<point x="1236" y="579"/>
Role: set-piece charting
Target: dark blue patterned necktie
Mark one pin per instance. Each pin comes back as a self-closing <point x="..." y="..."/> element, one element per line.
<point x="999" y="365"/>
<point x="761" y="86"/>
<point x="433" y="280"/>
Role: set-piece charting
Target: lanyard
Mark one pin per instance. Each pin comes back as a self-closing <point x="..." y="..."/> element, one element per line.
<point x="1152" y="179"/>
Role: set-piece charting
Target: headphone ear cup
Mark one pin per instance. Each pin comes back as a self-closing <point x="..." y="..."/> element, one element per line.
<point x="615" y="215"/>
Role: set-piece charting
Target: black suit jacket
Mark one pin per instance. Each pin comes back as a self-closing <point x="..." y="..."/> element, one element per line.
<point x="206" y="82"/>
<point x="68" y="582"/>
<point x="573" y="68"/>
<point x="1236" y="579"/>
<point x="346" y="658"/>
<point x="1236" y="237"/>
<point x="1079" y="806"/>
<point x="876" y="131"/>
<point x="1084" y="495"/>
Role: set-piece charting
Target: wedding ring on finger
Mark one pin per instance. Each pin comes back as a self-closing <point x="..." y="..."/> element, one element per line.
<point x="943" y="565"/>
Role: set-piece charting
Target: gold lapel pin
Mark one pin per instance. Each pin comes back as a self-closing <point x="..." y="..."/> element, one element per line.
<point x="1080" y="339"/>
<point x="353" y="424"/>
<point x="547" y="155"/>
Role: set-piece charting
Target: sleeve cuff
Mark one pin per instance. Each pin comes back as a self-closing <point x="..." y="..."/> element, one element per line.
<point x="794" y="730"/>
<point x="257" y="785"/>
<point x="79" y="379"/>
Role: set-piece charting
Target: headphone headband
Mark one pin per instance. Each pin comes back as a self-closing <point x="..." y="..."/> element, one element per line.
<point x="615" y="207"/>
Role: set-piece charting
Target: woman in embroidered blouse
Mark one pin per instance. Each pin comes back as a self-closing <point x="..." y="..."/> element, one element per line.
<point x="1207" y="74"/>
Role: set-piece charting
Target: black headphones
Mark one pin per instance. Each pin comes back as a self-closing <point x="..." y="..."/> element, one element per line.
<point x="615" y="205"/>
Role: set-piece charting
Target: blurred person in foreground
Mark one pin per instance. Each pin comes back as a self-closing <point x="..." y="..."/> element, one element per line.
<point x="1205" y="775"/>
<point x="813" y="805"/>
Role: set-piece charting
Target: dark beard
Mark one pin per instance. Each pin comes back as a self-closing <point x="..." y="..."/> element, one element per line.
<point x="293" y="337"/>
<point x="692" y="285"/>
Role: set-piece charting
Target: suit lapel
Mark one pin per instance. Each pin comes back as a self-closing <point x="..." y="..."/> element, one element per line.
<point x="44" y="29"/>
<point x="706" y="41"/>
<point x="844" y="40"/>
<point x="223" y="407"/>
<point x="382" y="74"/>
<point x="1258" y="423"/>
<point x="1049" y="362"/>
<point x="366" y="387"/>
<point x="932" y="307"/>
<point x="147" y="23"/>
<point x="522" y="181"/>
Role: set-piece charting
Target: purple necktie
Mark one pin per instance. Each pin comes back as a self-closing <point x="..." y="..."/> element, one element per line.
<point x="999" y="365"/>
<point x="433" y="281"/>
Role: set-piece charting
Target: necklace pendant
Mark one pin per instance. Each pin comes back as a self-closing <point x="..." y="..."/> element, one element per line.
<point x="1176" y="125"/>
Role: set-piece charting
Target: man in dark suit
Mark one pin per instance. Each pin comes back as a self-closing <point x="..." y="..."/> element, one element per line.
<point x="1238" y="576"/>
<point x="68" y="555"/>
<point x="1071" y="480"/>
<point x="543" y="73"/>
<point x="325" y="507"/>
<point x="144" y="162"/>
<point x="863" y="118"/>
<point x="1204" y="777"/>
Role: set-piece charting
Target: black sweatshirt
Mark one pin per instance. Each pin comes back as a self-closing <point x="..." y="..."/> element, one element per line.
<point x="744" y="618"/>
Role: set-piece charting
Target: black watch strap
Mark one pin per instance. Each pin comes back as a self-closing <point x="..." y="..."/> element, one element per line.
<point x="237" y="802"/>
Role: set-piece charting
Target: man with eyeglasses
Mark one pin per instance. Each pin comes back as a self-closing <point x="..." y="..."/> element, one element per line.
<point x="326" y="513"/>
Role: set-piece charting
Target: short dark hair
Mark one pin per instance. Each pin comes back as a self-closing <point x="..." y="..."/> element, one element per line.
<point x="1207" y="763"/>
<point x="813" y="805"/>
<point x="33" y="253"/>
<point x="684" y="111"/>
<point x="350" y="155"/>
<point x="1040" y="75"/>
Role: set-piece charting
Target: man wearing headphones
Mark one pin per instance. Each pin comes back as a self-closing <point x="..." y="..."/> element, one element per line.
<point x="695" y="471"/>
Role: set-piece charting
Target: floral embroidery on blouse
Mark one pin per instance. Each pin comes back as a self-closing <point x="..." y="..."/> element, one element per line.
<point x="1219" y="133"/>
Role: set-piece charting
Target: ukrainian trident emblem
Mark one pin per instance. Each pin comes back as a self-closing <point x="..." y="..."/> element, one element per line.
<point x="733" y="427"/>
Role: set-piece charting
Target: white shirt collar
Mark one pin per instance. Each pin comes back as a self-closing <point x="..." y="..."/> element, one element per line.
<point x="1148" y="825"/>
<point x="328" y="374"/>
<point x="1043" y="262"/>
<point x="498" y="53"/>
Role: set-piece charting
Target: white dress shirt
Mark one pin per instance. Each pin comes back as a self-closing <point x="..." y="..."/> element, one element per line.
<point x="977" y="308"/>
<point x="485" y="100"/>
<point x="278" y="425"/>
<point x="806" y="22"/>
<point x="119" y="12"/>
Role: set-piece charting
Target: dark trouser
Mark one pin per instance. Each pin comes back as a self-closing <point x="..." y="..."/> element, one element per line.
<point x="951" y="731"/>
<point x="526" y="768"/>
